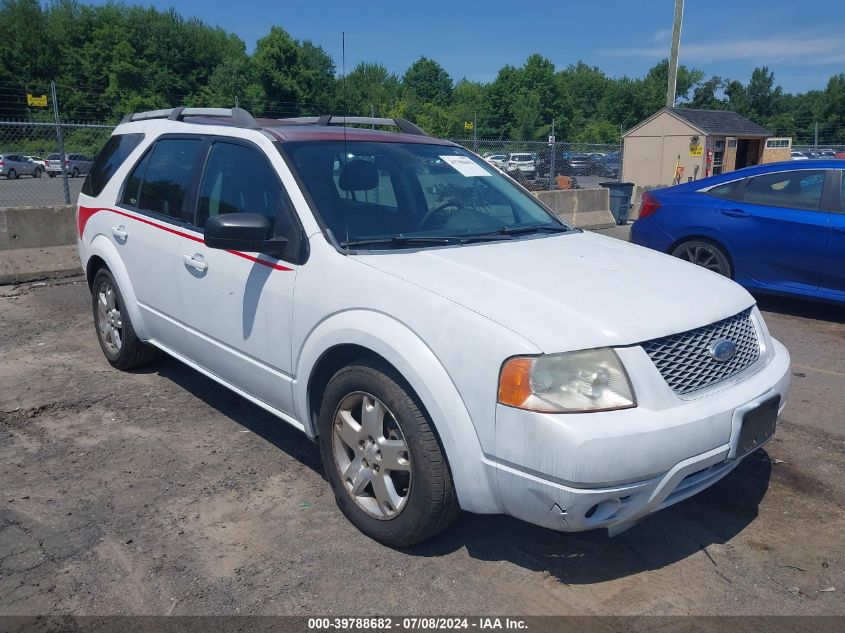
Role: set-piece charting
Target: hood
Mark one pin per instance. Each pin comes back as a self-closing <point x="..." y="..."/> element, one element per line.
<point x="571" y="291"/>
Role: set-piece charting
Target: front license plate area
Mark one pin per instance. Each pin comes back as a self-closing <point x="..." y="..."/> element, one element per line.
<point x="758" y="425"/>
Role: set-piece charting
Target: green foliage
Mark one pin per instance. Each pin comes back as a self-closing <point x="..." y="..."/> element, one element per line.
<point x="112" y="59"/>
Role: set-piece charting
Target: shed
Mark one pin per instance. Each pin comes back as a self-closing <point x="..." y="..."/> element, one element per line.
<point x="677" y="144"/>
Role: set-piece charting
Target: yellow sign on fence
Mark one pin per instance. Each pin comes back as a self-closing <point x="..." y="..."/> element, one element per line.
<point x="468" y="125"/>
<point x="36" y="102"/>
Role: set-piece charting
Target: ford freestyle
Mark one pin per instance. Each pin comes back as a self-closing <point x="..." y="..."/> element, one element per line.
<point x="444" y="337"/>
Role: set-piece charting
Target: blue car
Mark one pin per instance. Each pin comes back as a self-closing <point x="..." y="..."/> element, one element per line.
<point x="777" y="228"/>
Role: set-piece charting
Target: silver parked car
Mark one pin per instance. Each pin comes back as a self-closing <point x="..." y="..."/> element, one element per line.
<point x="16" y="165"/>
<point x="75" y="164"/>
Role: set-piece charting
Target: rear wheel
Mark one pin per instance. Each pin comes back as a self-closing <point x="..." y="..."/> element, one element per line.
<point x="37" y="173"/>
<point x="75" y="173"/>
<point x="117" y="337"/>
<point x="384" y="463"/>
<point x="704" y="254"/>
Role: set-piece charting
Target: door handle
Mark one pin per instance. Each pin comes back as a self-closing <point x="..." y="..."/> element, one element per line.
<point x="196" y="264"/>
<point x="735" y="213"/>
<point x="119" y="232"/>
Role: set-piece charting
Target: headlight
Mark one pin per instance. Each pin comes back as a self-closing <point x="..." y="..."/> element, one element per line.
<point x="591" y="380"/>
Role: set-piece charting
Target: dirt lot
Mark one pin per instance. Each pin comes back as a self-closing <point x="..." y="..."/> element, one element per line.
<point x="160" y="493"/>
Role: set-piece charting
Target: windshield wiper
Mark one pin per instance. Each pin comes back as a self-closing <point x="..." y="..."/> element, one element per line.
<point x="521" y="230"/>
<point x="401" y="240"/>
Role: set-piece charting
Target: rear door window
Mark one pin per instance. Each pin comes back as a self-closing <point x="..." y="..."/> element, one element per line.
<point x="800" y="189"/>
<point x="160" y="182"/>
<point x="108" y="161"/>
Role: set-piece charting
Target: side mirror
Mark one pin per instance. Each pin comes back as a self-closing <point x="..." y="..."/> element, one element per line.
<point x="242" y="232"/>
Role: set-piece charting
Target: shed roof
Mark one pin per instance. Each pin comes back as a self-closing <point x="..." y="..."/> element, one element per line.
<point x="713" y="122"/>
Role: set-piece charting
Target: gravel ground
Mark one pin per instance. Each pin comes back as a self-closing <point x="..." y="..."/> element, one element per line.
<point x="158" y="492"/>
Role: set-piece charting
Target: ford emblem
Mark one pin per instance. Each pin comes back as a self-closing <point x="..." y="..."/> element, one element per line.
<point x="723" y="350"/>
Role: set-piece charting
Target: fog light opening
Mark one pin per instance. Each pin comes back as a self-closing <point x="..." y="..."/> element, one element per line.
<point x="603" y="510"/>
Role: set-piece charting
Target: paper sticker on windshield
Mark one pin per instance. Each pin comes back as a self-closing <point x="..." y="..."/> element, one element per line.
<point x="465" y="166"/>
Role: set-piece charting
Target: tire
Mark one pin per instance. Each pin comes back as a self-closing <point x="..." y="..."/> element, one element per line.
<point x="705" y="254"/>
<point x="11" y="175"/>
<point x="51" y="174"/>
<point x="37" y="173"/>
<point x="124" y="351"/>
<point x="74" y="173"/>
<point x="397" y="422"/>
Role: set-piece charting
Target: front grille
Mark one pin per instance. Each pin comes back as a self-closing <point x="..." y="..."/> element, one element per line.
<point x="684" y="359"/>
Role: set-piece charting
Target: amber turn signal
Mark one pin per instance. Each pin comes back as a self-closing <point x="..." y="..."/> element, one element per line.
<point x="515" y="382"/>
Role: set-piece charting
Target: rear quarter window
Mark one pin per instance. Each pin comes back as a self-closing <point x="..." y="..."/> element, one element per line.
<point x="108" y="161"/>
<point x="728" y="190"/>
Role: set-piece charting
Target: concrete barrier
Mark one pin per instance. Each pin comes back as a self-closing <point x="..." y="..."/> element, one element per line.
<point x="34" y="227"/>
<point x="40" y="242"/>
<point x="584" y="208"/>
<point x="37" y="243"/>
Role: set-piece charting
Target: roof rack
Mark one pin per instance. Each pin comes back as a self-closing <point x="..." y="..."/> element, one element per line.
<point x="239" y="116"/>
<point x="327" y="119"/>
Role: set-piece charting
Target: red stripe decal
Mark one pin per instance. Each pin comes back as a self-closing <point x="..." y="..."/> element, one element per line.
<point x="85" y="214"/>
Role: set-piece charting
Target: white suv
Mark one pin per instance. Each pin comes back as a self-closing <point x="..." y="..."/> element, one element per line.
<point x="443" y="336"/>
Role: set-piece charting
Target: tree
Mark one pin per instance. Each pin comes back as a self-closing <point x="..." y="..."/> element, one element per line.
<point x="368" y="89"/>
<point x="315" y="75"/>
<point x="762" y="94"/>
<point x="275" y="60"/>
<point x="427" y="81"/>
<point x="704" y="95"/>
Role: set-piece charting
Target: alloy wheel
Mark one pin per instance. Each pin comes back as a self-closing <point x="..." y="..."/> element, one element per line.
<point x="371" y="455"/>
<point x="109" y="318"/>
<point x="704" y="256"/>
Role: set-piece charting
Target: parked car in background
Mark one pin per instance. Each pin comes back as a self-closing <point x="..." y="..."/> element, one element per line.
<point x="473" y="352"/>
<point x="75" y="164"/>
<point x="522" y="161"/>
<point x="581" y="165"/>
<point x="840" y="154"/>
<point x="14" y="166"/>
<point x="796" y="155"/>
<point x="497" y="160"/>
<point x="775" y="228"/>
<point x="38" y="160"/>
<point x="609" y="165"/>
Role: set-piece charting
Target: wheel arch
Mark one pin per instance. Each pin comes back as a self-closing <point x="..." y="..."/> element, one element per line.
<point x="347" y="336"/>
<point x="102" y="254"/>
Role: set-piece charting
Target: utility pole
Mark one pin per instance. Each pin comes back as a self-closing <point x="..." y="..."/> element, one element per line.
<point x="816" y="135"/>
<point x="673" y="55"/>
<point x="475" y="132"/>
<point x="61" y="139"/>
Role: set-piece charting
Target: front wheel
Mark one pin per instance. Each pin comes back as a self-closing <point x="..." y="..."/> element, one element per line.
<point x="37" y="173"/>
<point x="75" y="173"/>
<point x="11" y="175"/>
<point x="704" y="254"/>
<point x="383" y="461"/>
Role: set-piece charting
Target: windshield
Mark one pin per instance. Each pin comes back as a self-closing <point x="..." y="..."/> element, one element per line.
<point x="412" y="193"/>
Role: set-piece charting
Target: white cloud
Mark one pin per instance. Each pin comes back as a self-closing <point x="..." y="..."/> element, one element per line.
<point x="799" y="49"/>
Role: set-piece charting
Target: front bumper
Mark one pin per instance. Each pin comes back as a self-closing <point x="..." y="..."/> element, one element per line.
<point x="609" y="470"/>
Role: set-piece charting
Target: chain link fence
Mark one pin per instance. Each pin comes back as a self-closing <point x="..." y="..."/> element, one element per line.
<point x="542" y="166"/>
<point x="32" y="172"/>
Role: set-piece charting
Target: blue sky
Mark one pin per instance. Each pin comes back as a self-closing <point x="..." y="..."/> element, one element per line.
<point x="802" y="42"/>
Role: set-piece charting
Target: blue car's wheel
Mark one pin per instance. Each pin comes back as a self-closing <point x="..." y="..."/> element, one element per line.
<point x="704" y="254"/>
